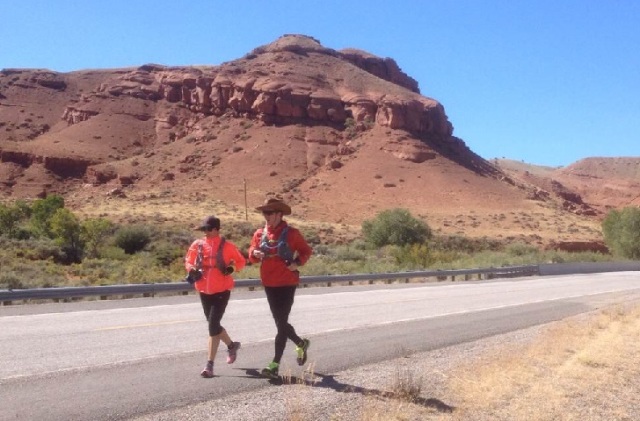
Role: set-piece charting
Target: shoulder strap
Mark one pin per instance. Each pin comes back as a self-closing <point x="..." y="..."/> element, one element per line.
<point x="283" y="247"/>
<point x="283" y="234"/>
<point x="199" y="257"/>
<point x="264" y="238"/>
<point x="219" y="258"/>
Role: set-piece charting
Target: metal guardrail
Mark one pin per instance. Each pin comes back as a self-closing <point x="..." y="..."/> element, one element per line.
<point x="61" y="293"/>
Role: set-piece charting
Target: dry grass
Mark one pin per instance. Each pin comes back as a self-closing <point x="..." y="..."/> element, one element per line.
<point x="579" y="370"/>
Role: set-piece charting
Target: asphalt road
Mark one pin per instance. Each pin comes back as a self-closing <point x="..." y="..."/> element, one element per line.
<point x="111" y="360"/>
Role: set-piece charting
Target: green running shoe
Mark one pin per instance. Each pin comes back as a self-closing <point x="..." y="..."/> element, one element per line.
<point x="271" y="371"/>
<point x="301" y="350"/>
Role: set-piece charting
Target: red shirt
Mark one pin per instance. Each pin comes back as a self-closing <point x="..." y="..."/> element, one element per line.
<point x="273" y="269"/>
<point x="213" y="281"/>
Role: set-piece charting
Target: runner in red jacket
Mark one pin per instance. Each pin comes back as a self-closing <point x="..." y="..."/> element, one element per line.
<point x="210" y="262"/>
<point x="281" y="250"/>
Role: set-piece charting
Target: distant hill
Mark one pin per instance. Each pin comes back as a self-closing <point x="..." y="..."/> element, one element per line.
<point x="342" y="135"/>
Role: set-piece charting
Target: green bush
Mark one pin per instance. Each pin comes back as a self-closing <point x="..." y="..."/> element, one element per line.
<point x="95" y="232"/>
<point x="10" y="218"/>
<point x="621" y="229"/>
<point x="39" y="249"/>
<point x="395" y="227"/>
<point x="166" y="252"/>
<point x="132" y="238"/>
<point x="42" y="211"/>
<point x="11" y="280"/>
<point x="66" y="229"/>
<point x="521" y="249"/>
<point x="414" y="256"/>
<point x="463" y="244"/>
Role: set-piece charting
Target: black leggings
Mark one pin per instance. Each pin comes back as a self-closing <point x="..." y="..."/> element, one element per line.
<point x="214" y="306"/>
<point x="280" y="302"/>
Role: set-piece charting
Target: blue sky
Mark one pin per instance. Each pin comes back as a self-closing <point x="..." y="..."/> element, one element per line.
<point x="547" y="82"/>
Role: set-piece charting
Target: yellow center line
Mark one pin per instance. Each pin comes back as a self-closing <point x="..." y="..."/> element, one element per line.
<point x="174" y="322"/>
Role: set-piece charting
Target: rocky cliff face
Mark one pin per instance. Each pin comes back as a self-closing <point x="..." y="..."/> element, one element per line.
<point x="326" y="89"/>
<point x="294" y="80"/>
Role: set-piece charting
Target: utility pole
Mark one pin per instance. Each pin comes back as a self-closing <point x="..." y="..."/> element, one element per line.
<point x="246" y="213"/>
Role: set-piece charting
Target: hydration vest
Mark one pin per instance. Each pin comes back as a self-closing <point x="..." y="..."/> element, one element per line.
<point x="282" y="248"/>
<point x="219" y="259"/>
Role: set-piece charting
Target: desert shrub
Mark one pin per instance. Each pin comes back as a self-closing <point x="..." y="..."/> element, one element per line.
<point x="621" y="229"/>
<point x="311" y="236"/>
<point x="166" y="252"/>
<point x="95" y="232"/>
<point x="321" y="250"/>
<point x="113" y="252"/>
<point x="42" y="210"/>
<point x="461" y="244"/>
<point x="142" y="268"/>
<point x="235" y="230"/>
<point x="521" y="249"/>
<point x="413" y="255"/>
<point x="66" y="229"/>
<point x="97" y="272"/>
<point x="10" y="218"/>
<point x="407" y="384"/>
<point x="170" y="245"/>
<point x="350" y="128"/>
<point x="325" y="265"/>
<point x="348" y="253"/>
<point x="395" y="227"/>
<point x="240" y="233"/>
<point x="132" y="238"/>
<point x="36" y="274"/>
<point x="39" y="249"/>
<point x="11" y="280"/>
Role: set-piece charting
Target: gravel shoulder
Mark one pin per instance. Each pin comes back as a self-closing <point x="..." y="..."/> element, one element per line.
<point x="366" y="392"/>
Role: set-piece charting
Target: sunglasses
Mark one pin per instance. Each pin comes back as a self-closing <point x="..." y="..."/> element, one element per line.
<point x="268" y="213"/>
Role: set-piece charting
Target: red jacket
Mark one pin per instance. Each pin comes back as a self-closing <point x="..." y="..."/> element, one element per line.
<point x="213" y="281"/>
<point x="273" y="269"/>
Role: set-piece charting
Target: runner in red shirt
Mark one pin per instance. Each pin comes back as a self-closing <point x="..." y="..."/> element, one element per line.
<point x="210" y="262"/>
<point x="281" y="250"/>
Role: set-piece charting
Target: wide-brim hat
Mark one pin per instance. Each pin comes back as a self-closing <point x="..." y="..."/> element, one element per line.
<point x="276" y="205"/>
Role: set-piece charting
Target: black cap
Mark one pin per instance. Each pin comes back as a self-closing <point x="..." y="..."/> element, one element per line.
<point x="209" y="223"/>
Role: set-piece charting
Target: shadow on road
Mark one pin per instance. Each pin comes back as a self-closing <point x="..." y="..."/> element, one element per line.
<point x="330" y="382"/>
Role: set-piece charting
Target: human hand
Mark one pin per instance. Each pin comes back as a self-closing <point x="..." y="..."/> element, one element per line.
<point x="293" y="266"/>
<point x="258" y="254"/>
<point x="193" y="276"/>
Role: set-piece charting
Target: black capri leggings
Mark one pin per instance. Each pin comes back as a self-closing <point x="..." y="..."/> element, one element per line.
<point x="214" y="306"/>
<point x="280" y="302"/>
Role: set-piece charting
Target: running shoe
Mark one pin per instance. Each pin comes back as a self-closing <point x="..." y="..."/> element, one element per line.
<point x="301" y="350"/>
<point x="207" y="371"/>
<point x="271" y="371"/>
<point x="232" y="352"/>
